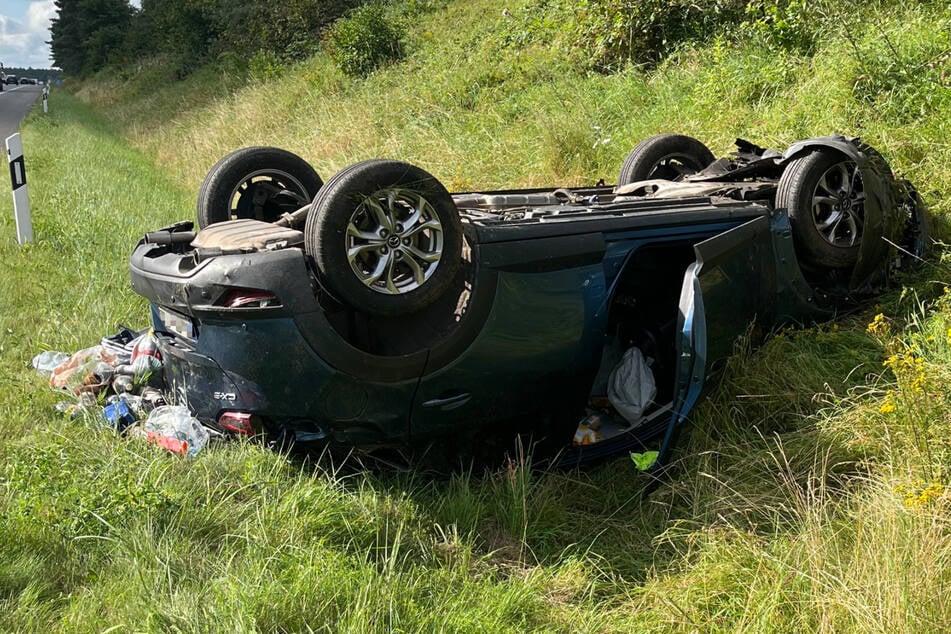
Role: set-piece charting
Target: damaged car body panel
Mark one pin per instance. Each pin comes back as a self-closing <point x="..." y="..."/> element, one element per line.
<point x="402" y="316"/>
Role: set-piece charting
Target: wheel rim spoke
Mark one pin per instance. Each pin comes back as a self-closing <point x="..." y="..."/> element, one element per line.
<point x="383" y="219"/>
<point x="432" y="225"/>
<point x="426" y="256"/>
<point x="838" y="205"/>
<point x="852" y="227"/>
<point x="381" y="267"/>
<point x="361" y="249"/>
<point x="419" y="275"/>
<point x="368" y="236"/>
<point x="845" y="181"/>
<point x="831" y="219"/>
<point x="421" y="205"/>
<point x="390" y="282"/>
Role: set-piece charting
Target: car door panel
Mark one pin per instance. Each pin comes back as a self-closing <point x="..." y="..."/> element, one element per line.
<point x="726" y="291"/>
<point x="537" y="352"/>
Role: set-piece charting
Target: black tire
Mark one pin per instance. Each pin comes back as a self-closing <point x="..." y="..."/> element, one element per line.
<point x="824" y="194"/>
<point x="918" y="235"/>
<point x="387" y="275"/>
<point x="260" y="183"/>
<point x="666" y="156"/>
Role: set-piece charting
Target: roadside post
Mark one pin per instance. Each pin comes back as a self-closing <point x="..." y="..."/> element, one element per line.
<point x="21" y="203"/>
<point x="46" y="92"/>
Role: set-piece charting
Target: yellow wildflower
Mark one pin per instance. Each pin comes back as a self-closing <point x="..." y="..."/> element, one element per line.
<point x="878" y="327"/>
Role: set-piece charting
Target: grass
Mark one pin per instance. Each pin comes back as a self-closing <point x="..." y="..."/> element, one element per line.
<point x="808" y="495"/>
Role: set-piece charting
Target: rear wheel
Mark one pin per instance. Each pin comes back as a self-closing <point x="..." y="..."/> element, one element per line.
<point x="824" y="194"/>
<point x="664" y="156"/>
<point x="260" y="183"/>
<point x="385" y="236"/>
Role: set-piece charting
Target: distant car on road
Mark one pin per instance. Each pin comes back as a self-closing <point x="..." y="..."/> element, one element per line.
<point x="10" y="79"/>
<point x="27" y="80"/>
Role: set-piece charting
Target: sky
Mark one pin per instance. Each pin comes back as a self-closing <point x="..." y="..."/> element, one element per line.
<point x="24" y="31"/>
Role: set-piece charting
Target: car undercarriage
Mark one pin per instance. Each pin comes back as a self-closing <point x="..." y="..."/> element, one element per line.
<point x="380" y="311"/>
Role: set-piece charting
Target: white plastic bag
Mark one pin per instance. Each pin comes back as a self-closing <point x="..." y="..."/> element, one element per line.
<point x="631" y="387"/>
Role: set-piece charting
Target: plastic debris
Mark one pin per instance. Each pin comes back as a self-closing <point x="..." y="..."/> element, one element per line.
<point x="144" y="360"/>
<point x="46" y="361"/>
<point x="78" y="370"/>
<point x="91" y="376"/>
<point x="119" y="415"/>
<point x="174" y="428"/>
<point x="121" y="343"/>
<point x="587" y="432"/>
<point x="120" y="381"/>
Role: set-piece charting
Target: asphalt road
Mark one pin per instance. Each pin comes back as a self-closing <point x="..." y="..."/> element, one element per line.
<point x="15" y="102"/>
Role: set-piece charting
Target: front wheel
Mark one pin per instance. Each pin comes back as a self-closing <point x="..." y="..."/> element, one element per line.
<point x="260" y="183"/>
<point x="385" y="237"/>
<point x="824" y="194"/>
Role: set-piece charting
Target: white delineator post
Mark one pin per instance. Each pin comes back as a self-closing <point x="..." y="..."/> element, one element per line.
<point x="46" y="92"/>
<point x="21" y="203"/>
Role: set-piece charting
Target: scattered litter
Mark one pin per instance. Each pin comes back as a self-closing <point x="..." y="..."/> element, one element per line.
<point x="45" y="361"/>
<point x="120" y="381"/>
<point x="119" y="415"/>
<point x="144" y="360"/>
<point x="174" y="428"/>
<point x="78" y="371"/>
<point x="587" y="432"/>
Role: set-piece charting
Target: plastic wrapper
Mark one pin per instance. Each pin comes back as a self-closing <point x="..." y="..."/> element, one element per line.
<point x="78" y="372"/>
<point x="174" y="428"/>
<point x="46" y="361"/>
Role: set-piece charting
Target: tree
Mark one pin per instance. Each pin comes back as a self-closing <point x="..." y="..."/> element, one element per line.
<point x="87" y="35"/>
<point x="180" y="30"/>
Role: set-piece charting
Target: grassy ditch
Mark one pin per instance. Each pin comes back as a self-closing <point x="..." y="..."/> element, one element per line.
<point x="809" y="494"/>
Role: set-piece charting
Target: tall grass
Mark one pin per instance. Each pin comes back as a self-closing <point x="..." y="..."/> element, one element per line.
<point x="808" y="494"/>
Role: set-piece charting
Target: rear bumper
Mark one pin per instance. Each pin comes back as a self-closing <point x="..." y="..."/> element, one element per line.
<point x="283" y="363"/>
<point x="177" y="281"/>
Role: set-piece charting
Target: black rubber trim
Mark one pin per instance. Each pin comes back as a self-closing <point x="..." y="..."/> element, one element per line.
<point x="668" y="214"/>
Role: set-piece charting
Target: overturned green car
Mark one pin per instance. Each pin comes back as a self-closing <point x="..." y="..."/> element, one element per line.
<point x="377" y="312"/>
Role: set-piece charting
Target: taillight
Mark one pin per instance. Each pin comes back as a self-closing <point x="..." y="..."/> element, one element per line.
<point x="237" y="422"/>
<point x="250" y="298"/>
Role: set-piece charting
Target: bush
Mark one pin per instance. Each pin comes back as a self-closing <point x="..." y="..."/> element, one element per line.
<point x="265" y="65"/>
<point x="608" y="34"/>
<point x="644" y="32"/>
<point x="364" y="41"/>
<point x="788" y="24"/>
